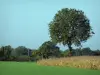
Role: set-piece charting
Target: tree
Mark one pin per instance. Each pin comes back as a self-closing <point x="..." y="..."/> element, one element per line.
<point x="64" y="53"/>
<point x="21" y="50"/>
<point x="77" y="52"/>
<point x="49" y="49"/>
<point x="86" y="51"/>
<point x="35" y="52"/>
<point x="96" y="52"/>
<point x="5" y="52"/>
<point x="36" y="55"/>
<point x="70" y="26"/>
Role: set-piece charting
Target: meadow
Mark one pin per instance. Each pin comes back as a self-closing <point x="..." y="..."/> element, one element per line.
<point x="31" y="68"/>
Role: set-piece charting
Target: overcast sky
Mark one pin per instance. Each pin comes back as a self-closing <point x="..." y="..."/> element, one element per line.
<point x="25" y="22"/>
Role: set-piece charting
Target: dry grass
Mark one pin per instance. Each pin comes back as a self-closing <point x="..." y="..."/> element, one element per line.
<point x="90" y="62"/>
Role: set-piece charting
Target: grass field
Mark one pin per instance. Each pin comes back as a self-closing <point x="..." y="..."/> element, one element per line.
<point x="30" y="68"/>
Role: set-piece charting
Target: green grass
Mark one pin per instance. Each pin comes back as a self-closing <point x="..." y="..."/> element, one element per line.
<point x="30" y="68"/>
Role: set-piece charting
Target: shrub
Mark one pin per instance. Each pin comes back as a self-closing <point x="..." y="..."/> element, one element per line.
<point x="35" y="58"/>
<point x="23" y="58"/>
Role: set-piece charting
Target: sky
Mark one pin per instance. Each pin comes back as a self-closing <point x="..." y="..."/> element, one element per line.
<point x="25" y="22"/>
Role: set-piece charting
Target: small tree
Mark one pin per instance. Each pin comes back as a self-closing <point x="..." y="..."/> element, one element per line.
<point x="36" y="55"/>
<point x="5" y="52"/>
<point x="49" y="49"/>
<point x="21" y="50"/>
<point x="70" y="26"/>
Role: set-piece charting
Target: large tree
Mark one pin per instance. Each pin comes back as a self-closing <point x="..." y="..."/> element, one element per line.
<point x="70" y="26"/>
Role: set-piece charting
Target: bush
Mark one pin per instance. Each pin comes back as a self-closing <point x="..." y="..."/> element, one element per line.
<point x="23" y="58"/>
<point x="2" y="58"/>
<point x="12" y="58"/>
<point x="35" y="58"/>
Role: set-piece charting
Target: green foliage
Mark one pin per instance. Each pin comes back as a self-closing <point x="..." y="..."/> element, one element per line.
<point x="77" y="52"/>
<point x="49" y="49"/>
<point x="35" y="55"/>
<point x="21" y="50"/>
<point x="86" y="51"/>
<point x="70" y="26"/>
<point x="66" y="53"/>
<point x="96" y="52"/>
<point x="23" y="58"/>
<point x="5" y="52"/>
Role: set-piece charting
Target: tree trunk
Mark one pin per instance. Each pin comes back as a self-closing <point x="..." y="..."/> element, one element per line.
<point x="70" y="49"/>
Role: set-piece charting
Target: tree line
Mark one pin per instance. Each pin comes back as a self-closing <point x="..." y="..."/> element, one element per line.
<point x="47" y="50"/>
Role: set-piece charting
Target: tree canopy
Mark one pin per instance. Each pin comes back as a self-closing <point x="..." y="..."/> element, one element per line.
<point x="70" y="26"/>
<point x="21" y="50"/>
<point x="48" y="49"/>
